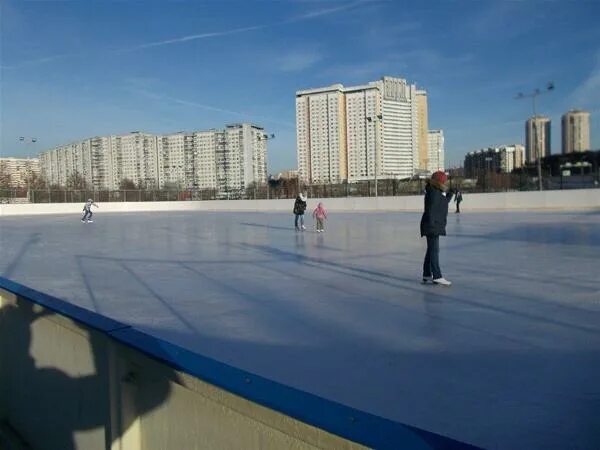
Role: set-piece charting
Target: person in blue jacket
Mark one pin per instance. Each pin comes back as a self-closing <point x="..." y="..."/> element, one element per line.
<point x="433" y="225"/>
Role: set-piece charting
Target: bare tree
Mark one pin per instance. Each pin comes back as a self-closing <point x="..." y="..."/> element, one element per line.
<point x="5" y="178"/>
<point x="126" y="185"/>
<point x="77" y="182"/>
<point x="37" y="182"/>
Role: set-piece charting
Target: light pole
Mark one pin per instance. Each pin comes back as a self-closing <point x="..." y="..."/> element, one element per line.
<point x="265" y="137"/>
<point x="533" y="95"/>
<point x="488" y="160"/>
<point x="28" y="140"/>
<point x="374" y="120"/>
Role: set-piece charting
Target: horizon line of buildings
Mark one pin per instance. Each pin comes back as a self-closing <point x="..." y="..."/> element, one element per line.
<point x="575" y="127"/>
<point x="224" y="160"/>
<point x="504" y="158"/>
<point x="344" y="134"/>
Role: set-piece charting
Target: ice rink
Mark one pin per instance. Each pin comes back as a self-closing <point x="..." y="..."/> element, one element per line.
<point x="506" y="358"/>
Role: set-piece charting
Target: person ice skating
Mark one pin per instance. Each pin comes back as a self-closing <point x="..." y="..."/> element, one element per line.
<point x="320" y="213"/>
<point x="433" y="225"/>
<point x="87" y="211"/>
<point x="457" y="200"/>
<point x="299" y="209"/>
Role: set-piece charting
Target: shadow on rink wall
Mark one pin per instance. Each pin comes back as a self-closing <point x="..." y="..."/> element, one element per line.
<point x="64" y="385"/>
<point x="73" y="379"/>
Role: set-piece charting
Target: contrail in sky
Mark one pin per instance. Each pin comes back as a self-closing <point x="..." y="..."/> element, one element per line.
<point x="193" y="37"/>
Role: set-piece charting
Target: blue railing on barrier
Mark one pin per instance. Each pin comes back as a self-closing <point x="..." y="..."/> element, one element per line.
<point x="352" y="424"/>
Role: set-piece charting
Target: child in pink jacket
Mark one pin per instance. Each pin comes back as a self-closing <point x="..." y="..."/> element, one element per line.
<point x="320" y="213"/>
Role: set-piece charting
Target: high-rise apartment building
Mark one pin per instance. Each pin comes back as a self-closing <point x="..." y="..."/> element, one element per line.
<point x="225" y="160"/>
<point x="519" y="156"/>
<point x="321" y="134"/>
<point x="15" y="172"/>
<point x="364" y="132"/>
<point x="503" y="159"/>
<point x="575" y="131"/>
<point x="537" y="138"/>
<point x="436" y="151"/>
<point x="349" y="133"/>
<point x="423" y="124"/>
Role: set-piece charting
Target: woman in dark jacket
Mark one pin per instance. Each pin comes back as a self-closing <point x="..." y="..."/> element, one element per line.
<point x="433" y="225"/>
<point x="299" y="209"/>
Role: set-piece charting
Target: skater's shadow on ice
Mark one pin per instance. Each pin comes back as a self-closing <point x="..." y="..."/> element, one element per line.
<point x="407" y="286"/>
<point x="542" y="233"/>
<point x="12" y="266"/>
<point x="270" y="227"/>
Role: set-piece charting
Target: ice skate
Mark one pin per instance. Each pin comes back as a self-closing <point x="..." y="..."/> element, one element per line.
<point x="427" y="279"/>
<point x="442" y="282"/>
<point x="303" y="228"/>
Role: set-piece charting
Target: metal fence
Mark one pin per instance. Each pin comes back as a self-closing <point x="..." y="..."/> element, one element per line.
<point x="490" y="182"/>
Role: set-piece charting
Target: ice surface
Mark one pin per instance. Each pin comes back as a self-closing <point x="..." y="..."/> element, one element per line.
<point x="508" y="357"/>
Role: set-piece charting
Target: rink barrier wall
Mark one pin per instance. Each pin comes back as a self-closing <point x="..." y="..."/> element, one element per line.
<point x="72" y="378"/>
<point x="499" y="201"/>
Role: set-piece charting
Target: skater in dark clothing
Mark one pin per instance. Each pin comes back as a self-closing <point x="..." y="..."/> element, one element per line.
<point x="299" y="209"/>
<point x="457" y="200"/>
<point x="87" y="211"/>
<point x="433" y="225"/>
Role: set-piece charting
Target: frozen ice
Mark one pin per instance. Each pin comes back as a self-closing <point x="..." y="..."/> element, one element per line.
<point x="508" y="357"/>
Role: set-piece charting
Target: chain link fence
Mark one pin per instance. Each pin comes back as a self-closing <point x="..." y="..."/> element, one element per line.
<point x="487" y="182"/>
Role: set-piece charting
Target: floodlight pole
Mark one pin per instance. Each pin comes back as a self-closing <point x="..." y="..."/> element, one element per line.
<point x="533" y="95"/>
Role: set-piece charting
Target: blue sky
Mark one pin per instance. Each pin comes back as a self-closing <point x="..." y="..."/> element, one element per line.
<point x="75" y="69"/>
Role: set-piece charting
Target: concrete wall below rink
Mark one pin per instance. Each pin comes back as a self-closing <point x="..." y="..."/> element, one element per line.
<point x="501" y="201"/>
<point x="74" y="379"/>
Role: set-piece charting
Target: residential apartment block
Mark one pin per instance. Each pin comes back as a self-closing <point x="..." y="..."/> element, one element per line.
<point x="351" y="133"/>
<point x="225" y="160"/>
<point x="423" y="125"/>
<point x="15" y="172"/>
<point x="503" y="159"/>
<point x="436" y="150"/>
<point x="575" y="131"/>
<point x="537" y="138"/>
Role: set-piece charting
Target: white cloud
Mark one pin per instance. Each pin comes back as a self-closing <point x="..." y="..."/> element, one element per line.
<point x="587" y="94"/>
<point x="37" y="61"/>
<point x="299" y="60"/>
<point x="191" y="37"/>
<point x="194" y="37"/>
<point x="178" y="101"/>
<point x="327" y="11"/>
<point x="514" y="18"/>
<point x="357" y="73"/>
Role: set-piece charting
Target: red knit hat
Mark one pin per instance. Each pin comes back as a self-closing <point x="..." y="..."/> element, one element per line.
<point x="440" y="177"/>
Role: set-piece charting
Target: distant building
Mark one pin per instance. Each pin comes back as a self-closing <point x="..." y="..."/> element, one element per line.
<point x="423" y="127"/>
<point x="537" y="138"/>
<point x="287" y="175"/>
<point x="225" y="160"/>
<point x="575" y="131"/>
<point x="435" y="139"/>
<point x="349" y="133"/>
<point x="503" y="159"/>
<point x="17" y="171"/>
<point x="321" y="134"/>
<point x="456" y="172"/>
